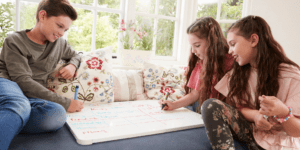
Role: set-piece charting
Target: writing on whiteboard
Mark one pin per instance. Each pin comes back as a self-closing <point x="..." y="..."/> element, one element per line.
<point x="99" y="122"/>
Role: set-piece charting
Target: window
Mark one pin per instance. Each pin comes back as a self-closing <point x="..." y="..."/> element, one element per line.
<point x="7" y="20"/>
<point x="162" y="16"/>
<point x="160" y="25"/>
<point x="98" y="22"/>
<point x="27" y="14"/>
<point x="225" y="12"/>
<point x="157" y="22"/>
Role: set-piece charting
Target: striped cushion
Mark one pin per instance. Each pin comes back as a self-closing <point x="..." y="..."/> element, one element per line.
<point x="128" y="85"/>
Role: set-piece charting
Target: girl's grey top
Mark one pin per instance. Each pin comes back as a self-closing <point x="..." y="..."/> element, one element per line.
<point x="29" y="64"/>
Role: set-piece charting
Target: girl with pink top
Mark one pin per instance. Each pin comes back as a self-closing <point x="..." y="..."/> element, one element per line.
<point x="263" y="90"/>
<point x="209" y="61"/>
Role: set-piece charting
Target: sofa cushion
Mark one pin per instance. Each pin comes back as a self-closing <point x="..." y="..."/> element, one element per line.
<point x="94" y="78"/>
<point x="128" y="85"/>
<point x="159" y="80"/>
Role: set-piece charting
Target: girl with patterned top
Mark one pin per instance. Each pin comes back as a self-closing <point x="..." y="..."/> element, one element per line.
<point x="263" y="90"/>
<point x="208" y="63"/>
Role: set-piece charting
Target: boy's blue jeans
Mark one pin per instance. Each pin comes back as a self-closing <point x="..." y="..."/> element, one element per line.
<point x="26" y="115"/>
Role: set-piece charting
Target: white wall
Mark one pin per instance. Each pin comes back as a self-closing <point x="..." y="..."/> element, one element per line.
<point x="283" y="16"/>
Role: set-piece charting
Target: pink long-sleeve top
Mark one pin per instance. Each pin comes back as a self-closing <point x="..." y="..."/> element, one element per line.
<point x="289" y="94"/>
<point x="194" y="81"/>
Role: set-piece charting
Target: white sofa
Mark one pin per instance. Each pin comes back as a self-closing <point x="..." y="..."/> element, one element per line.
<point x="100" y="82"/>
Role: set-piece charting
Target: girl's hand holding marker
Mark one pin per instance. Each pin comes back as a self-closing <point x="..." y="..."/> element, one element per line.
<point x="166" y="104"/>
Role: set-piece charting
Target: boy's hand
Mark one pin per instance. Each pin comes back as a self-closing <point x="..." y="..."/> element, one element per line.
<point x="75" y="106"/>
<point x="68" y="71"/>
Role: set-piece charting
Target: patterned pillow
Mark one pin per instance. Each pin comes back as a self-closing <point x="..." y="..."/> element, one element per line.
<point x="158" y="80"/>
<point x="128" y="85"/>
<point x="94" y="78"/>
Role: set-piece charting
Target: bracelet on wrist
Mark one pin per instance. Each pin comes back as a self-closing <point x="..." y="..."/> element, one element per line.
<point x="281" y="120"/>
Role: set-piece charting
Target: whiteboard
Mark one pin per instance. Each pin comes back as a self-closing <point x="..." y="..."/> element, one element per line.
<point x="98" y="122"/>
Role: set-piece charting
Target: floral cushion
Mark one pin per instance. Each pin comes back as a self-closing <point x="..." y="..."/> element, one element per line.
<point x="94" y="78"/>
<point x="159" y="80"/>
<point x="128" y="85"/>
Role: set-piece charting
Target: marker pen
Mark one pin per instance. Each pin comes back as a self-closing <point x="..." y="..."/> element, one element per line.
<point x="76" y="92"/>
<point x="166" y="97"/>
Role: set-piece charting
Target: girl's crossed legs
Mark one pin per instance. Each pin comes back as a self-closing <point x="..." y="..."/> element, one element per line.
<point x="223" y="122"/>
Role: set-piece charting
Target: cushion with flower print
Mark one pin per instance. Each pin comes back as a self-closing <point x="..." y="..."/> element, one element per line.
<point x="94" y="78"/>
<point x="159" y="80"/>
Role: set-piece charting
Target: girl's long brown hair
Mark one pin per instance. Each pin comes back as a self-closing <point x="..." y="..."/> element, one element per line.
<point x="270" y="55"/>
<point x="212" y="69"/>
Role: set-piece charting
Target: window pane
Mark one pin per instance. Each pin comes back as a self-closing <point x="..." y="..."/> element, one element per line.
<point x="224" y="27"/>
<point x="107" y="30"/>
<point x="232" y="9"/>
<point x="7" y="17"/>
<point x="167" y="7"/>
<point x="28" y="15"/>
<point x="143" y="38"/>
<point x="109" y="3"/>
<point x="165" y="36"/>
<point x="80" y="32"/>
<point x="146" y="6"/>
<point x="207" y="8"/>
<point x="85" y="2"/>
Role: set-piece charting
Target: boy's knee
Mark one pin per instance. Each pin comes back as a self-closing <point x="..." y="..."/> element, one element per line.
<point x="46" y="117"/>
<point x="21" y="107"/>
<point x="56" y="117"/>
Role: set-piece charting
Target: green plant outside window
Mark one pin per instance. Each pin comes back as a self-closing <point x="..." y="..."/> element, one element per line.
<point x="6" y="20"/>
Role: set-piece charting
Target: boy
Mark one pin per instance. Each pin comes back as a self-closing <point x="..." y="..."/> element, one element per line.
<point x="26" y="60"/>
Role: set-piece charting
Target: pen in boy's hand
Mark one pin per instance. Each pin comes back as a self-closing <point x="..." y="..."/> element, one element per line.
<point x="76" y="92"/>
<point x="166" y="97"/>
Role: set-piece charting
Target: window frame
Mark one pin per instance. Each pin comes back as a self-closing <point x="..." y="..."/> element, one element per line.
<point x="128" y="12"/>
<point x="245" y="11"/>
<point x="130" y="15"/>
<point x="190" y="9"/>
